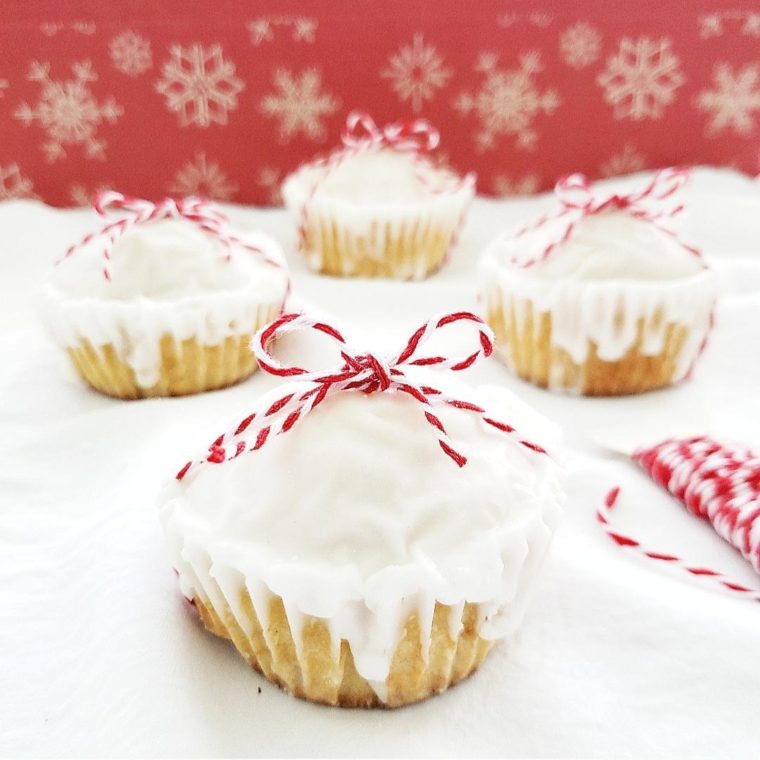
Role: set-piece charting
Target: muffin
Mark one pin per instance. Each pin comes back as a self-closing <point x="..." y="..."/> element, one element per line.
<point x="378" y="206"/>
<point x="600" y="298"/>
<point x="355" y="553"/>
<point x="164" y="299"/>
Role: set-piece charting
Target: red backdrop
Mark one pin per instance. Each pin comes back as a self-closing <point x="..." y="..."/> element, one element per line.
<point x="165" y="97"/>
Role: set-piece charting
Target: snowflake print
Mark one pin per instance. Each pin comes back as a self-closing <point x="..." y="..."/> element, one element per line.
<point x="751" y="26"/>
<point x="508" y="19"/>
<point x="505" y="186"/>
<point x="262" y="29"/>
<point x="13" y="184"/>
<point x="641" y="79"/>
<point x="199" y="85"/>
<point x="304" y="29"/>
<point x="203" y="178"/>
<point x="541" y="20"/>
<point x="3" y="87"/>
<point x="732" y="103"/>
<point x="508" y="102"/>
<point x="269" y="179"/>
<point x="299" y="104"/>
<point x="629" y="160"/>
<point x="580" y="45"/>
<point x="130" y="54"/>
<point x="68" y="112"/>
<point x="416" y="72"/>
<point x="710" y="25"/>
<point x="83" y="27"/>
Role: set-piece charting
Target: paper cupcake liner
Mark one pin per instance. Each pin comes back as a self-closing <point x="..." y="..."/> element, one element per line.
<point x="525" y="345"/>
<point x="314" y="668"/>
<point x="185" y="367"/>
<point x="402" y="242"/>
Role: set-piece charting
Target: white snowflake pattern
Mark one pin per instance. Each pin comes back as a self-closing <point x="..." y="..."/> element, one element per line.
<point x="505" y="186"/>
<point x="87" y="28"/>
<point x="710" y="25"/>
<point x="68" y="111"/>
<point x="508" y="102"/>
<point x="731" y="104"/>
<point x="81" y="196"/>
<point x="507" y="19"/>
<point x="751" y="26"/>
<point x="580" y="45"/>
<point x="416" y="71"/>
<point x="304" y="29"/>
<point x="627" y="161"/>
<point x="540" y="19"/>
<point x="203" y="178"/>
<point x="270" y="180"/>
<point x="299" y="104"/>
<point x="13" y="185"/>
<point x="130" y="53"/>
<point x="262" y="29"/>
<point x="641" y="79"/>
<point x="199" y="84"/>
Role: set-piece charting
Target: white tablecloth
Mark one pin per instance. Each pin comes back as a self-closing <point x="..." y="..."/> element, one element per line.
<point x="617" y="657"/>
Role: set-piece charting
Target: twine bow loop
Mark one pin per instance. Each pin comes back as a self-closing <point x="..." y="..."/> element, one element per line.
<point x="579" y="199"/>
<point x="134" y="211"/>
<point x="359" y="371"/>
<point x="418" y="136"/>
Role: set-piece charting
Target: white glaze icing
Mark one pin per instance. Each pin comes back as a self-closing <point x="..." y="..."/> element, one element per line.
<point x="380" y="176"/>
<point x="613" y="272"/>
<point x="167" y="277"/>
<point x="378" y="195"/>
<point x="356" y="516"/>
<point x="604" y="246"/>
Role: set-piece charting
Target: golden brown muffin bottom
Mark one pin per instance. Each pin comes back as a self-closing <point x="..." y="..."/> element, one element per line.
<point x="317" y="675"/>
<point x="186" y="367"/>
<point x="411" y="253"/>
<point x="526" y="346"/>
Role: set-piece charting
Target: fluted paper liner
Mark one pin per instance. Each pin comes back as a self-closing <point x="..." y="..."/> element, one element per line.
<point x="525" y="344"/>
<point x="319" y="671"/>
<point x="402" y="241"/>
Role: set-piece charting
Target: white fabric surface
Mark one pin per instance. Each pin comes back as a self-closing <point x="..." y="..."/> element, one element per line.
<point x="617" y="657"/>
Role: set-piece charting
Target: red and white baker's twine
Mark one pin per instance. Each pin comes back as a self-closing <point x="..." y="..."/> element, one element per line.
<point x="137" y="211"/>
<point x="360" y="371"/>
<point x="580" y="199"/>
<point x="361" y="134"/>
<point x="716" y="482"/>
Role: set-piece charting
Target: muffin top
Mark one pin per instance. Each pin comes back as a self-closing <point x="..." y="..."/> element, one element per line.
<point x="168" y="259"/>
<point x="378" y="166"/>
<point x="609" y="245"/>
<point x="598" y="235"/>
<point x="358" y="501"/>
<point x="424" y="490"/>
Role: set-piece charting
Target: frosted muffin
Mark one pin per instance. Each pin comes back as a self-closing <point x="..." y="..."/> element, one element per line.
<point x="378" y="206"/>
<point x="353" y="552"/>
<point x="600" y="298"/>
<point x="165" y="302"/>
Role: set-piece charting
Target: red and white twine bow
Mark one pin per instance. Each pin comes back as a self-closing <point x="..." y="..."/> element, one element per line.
<point x="359" y="371"/>
<point x="716" y="482"/>
<point x="580" y="199"/>
<point x="137" y="211"/>
<point x="418" y="136"/>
